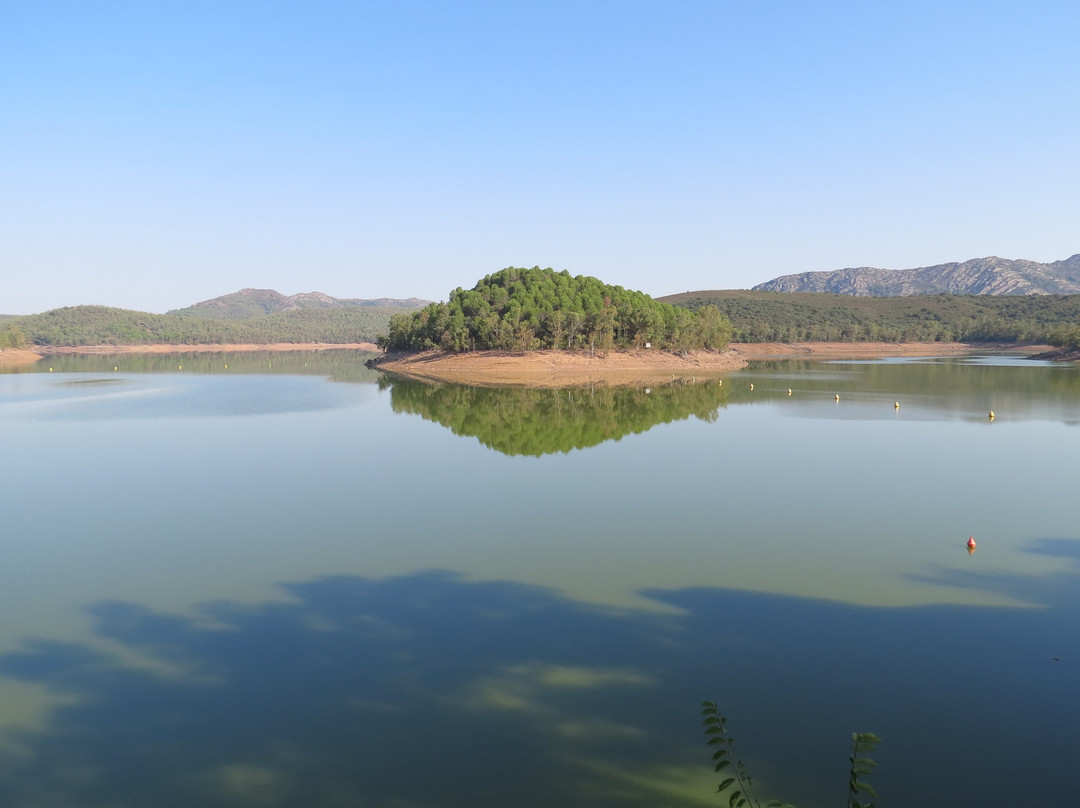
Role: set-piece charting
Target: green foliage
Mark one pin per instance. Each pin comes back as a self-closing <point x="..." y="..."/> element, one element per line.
<point x="526" y="421"/>
<point x="12" y="337"/>
<point x="862" y="743"/>
<point x="529" y="309"/>
<point x="101" y="325"/>
<point x="737" y="783"/>
<point x="758" y="316"/>
<point x="1066" y="336"/>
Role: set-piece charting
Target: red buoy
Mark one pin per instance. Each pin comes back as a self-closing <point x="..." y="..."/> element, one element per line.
<point x="971" y="542"/>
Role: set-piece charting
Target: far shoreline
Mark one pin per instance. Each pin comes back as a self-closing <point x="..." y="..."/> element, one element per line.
<point x="562" y="368"/>
<point x="16" y="357"/>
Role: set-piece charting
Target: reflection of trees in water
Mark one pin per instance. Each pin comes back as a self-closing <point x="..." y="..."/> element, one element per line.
<point x="340" y="365"/>
<point x="428" y="690"/>
<point x="524" y="421"/>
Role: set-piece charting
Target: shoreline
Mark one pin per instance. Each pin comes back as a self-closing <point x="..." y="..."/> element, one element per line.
<point x="572" y="368"/>
<point x="562" y="368"/>
<point x="16" y="357"/>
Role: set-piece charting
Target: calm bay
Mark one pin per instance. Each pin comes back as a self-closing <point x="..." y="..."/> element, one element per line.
<point x="298" y="582"/>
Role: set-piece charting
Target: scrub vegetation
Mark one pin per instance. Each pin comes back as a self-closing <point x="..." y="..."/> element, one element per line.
<point x="759" y="316"/>
<point x="12" y="337"/>
<point x="102" y="325"/>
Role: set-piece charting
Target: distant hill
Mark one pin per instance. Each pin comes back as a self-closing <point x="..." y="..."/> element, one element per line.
<point x="101" y="325"/>
<point x="248" y="303"/>
<point x="980" y="276"/>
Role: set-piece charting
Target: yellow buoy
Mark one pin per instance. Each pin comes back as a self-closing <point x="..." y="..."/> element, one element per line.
<point x="789" y="391"/>
<point x="751" y="385"/>
<point x="837" y="396"/>
<point x="114" y="367"/>
<point x="896" y="405"/>
<point x="991" y="415"/>
<point x="226" y="366"/>
<point x="179" y="367"/>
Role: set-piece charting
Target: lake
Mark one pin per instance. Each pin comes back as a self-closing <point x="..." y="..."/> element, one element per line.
<point x="294" y="581"/>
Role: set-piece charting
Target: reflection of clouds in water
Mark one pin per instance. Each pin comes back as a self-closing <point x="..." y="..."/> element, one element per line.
<point x="428" y="690"/>
<point x="530" y="688"/>
<point x="1055" y="587"/>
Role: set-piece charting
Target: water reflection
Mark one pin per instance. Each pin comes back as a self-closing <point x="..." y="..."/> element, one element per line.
<point x="339" y="365"/>
<point x="425" y="689"/>
<point x="535" y="422"/>
<point x="517" y="421"/>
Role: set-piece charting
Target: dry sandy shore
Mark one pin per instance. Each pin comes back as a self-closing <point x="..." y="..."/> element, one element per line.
<point x="562" y="368"/>
<point x="14" y="357"/>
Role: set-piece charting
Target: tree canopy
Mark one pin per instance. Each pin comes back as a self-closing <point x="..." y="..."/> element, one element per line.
<point x="530" y="309"/>
<point x="759" y="316"/>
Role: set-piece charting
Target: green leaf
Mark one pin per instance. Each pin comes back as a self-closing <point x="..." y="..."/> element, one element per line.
<point x="723" y="764"/>
<point x="713" y="741"/>
<point x="725" y="783"/>
<point x="714" y="731"/>
<point x="734" y="798"/>
<point x="866" y="788"/>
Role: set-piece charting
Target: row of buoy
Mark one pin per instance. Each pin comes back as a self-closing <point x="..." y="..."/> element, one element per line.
<point x="896" y="404"/>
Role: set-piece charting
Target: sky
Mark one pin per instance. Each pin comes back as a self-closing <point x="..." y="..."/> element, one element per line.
<point x="157" y="154"/>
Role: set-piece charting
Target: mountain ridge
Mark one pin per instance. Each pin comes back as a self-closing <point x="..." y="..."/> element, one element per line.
<point x="250" y="302"/>
<point x="977" y="276"/>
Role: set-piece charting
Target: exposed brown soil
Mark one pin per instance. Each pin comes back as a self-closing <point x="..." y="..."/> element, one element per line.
<point x="571" y="368"/>
<point x="237" y="348"/>
<point x="559" y="368"/>
<point x="15" y="357"/>
<point x="778" y="350"/>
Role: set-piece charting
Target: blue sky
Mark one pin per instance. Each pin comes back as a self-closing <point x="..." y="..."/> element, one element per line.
<point x="154" y="154"/>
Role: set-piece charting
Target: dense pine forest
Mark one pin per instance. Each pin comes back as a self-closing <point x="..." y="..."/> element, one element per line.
<point x="529" y="309"/>
<point x="758" y="316"/>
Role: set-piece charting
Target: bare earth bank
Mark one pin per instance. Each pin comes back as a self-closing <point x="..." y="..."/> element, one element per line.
<point x="558" y="368"/>
<point x="569" y="368"/>
<point x="13" y="357"/>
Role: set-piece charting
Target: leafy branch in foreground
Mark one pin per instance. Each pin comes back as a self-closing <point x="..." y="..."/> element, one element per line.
<point x="737" y="782"/>
<point x="861" y="743"/>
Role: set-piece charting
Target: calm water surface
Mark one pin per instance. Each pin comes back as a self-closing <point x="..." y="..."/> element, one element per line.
<point x="294" y="582"/>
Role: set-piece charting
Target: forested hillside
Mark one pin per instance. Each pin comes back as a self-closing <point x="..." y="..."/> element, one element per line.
<point x="758" y="316"/>
<point x="527" y="309"/>
<point x="101" y="325"/>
